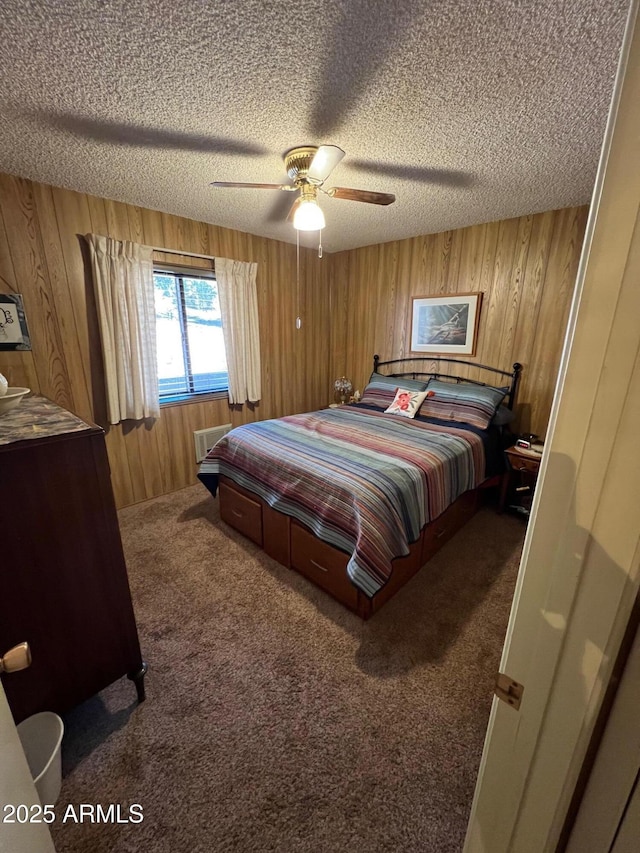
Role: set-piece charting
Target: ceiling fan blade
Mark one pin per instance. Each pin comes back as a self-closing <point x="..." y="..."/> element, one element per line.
<point x="294" y="207"/>
<point x="361" y="195"/>
<point x="324" y="162"/>
<point x="224" y="184"/>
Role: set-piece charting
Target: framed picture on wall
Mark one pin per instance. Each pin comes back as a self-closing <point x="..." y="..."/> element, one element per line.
<point x="14" y="333"/>
<point x="446" y="325"/>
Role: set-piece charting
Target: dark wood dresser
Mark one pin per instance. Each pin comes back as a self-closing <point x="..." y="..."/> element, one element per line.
<point x="63" y="579"/>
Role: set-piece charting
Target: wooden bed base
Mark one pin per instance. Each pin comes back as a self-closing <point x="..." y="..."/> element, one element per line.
<point x="296" y="547"/>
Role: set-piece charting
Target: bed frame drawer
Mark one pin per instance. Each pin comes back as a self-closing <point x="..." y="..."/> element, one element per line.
<point x="241" y="512"/>
<point x="446" y="525"/>
<point x="295" y="547"/>
<point x="322" y="564"/>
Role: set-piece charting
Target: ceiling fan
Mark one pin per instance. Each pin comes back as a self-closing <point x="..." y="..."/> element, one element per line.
<point x="309" y="166"/>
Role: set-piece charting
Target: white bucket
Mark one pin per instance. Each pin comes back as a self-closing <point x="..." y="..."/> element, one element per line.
<point x="41" y="737"/>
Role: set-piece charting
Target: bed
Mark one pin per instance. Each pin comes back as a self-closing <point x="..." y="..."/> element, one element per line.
<point x="357" y="498"/>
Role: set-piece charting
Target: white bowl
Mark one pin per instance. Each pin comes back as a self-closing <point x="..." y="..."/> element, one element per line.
<point x="12" y="398"/>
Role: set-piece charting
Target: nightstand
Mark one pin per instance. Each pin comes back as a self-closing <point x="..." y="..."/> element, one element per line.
<point x="519" y="480"/>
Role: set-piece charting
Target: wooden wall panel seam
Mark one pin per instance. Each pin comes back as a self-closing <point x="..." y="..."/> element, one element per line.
<point x="81" y="407"/>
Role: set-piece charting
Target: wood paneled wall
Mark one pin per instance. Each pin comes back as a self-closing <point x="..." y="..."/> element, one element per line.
<point x="525" y="268"/>
<point x="353" y="304"/>
<point x="42" y="256"/>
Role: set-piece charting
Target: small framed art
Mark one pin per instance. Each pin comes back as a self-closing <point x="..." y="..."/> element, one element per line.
<point x="14" y="333"/>
<point x="447" y="325"/>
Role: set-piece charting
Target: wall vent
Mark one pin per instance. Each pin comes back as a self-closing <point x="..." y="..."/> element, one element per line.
<point x="205" y="439"/>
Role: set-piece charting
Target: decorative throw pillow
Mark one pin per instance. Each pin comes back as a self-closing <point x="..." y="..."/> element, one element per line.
<point x="406" y="402"/>
<point x="381" y="389"/>
<point x="462" y="402"/>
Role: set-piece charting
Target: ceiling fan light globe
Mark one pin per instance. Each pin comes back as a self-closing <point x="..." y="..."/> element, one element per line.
<point x="308" y="217"/>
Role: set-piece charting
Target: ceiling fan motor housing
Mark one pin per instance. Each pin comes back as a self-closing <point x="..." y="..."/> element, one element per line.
<point x="298" y="160"/>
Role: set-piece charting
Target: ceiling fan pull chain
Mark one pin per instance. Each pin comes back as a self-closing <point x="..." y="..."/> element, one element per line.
<point x="298" y="319"/>
<point x="320" y="244"/>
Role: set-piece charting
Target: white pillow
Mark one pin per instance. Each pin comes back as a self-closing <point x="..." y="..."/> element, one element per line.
<point x="406" y="403"/>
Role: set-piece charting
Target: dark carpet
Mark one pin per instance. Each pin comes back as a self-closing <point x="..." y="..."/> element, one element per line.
<point x="275" y="719"/>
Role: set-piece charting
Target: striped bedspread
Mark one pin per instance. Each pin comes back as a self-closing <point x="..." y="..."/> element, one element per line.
<point x="363" y="481"/>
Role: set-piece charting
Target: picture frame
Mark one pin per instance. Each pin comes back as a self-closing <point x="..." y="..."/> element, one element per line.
<point x="14" y="332"/>
<point x="445" y="325"/>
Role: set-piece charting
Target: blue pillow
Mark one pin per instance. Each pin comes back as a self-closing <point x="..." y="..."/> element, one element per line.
<point x="462" y="402"/>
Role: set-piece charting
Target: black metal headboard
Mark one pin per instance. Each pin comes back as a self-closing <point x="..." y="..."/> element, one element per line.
<point x="514" y="375"/>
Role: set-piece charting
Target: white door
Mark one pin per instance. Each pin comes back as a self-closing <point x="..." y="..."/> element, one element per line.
<point x="580" y="564"/>
<point x="17" y="788"/>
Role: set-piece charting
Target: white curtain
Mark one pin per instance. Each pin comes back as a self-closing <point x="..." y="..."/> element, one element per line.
<point x="239" y="309"/>
<point x="123" y="286"/>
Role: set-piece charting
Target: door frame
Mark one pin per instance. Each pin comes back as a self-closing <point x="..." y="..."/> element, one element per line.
<point x="616" y="766"/>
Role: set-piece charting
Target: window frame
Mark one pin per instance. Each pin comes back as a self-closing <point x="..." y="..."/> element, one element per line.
<point x="180" y="272"/>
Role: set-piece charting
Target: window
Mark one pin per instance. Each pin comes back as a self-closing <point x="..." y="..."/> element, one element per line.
<point x="191" y="355"/>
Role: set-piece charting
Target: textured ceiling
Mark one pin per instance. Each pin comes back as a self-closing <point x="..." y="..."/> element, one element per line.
<point x="469" y="111"/>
